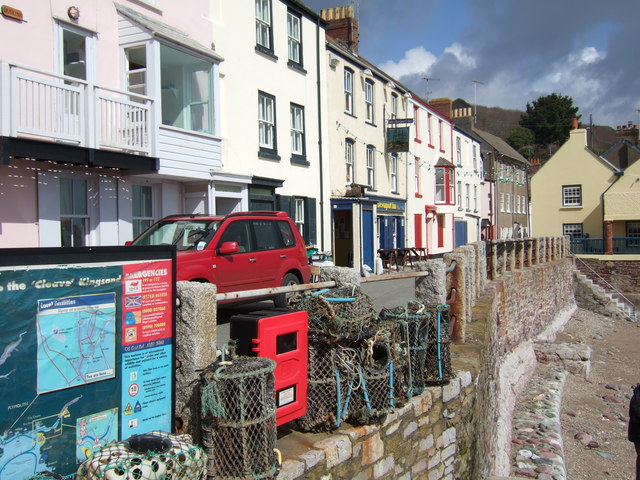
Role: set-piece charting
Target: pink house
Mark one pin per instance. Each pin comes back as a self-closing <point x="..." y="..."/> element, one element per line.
<point x="108" y="118"/>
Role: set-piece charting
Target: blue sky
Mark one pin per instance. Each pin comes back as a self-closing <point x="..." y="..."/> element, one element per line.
<point x="519" y="50"/>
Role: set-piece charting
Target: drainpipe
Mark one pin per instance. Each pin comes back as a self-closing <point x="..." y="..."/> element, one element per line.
<point x="320" y="159"/>
<point x="607" y="246"/>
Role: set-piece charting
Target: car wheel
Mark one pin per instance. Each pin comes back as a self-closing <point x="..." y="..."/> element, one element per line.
<point x="282" y="300"/>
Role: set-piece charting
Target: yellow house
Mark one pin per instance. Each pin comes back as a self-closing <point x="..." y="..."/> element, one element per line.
<point x="622" y="204"/>
<point x="566" y="193"/>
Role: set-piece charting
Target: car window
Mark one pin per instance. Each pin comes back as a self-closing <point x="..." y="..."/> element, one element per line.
<point x="240" y="232"/>
<point x="268" y="236"/>
<point x="288" y="237"/>
<point x="185" y="234"/>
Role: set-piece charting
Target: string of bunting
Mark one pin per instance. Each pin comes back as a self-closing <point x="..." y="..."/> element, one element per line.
<point x="502" y="174"/>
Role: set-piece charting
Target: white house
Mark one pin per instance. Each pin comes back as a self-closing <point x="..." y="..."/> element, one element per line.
<point x="274" y="112"/>
<point x="368" y="178"/>
<point x="109" y="118"/>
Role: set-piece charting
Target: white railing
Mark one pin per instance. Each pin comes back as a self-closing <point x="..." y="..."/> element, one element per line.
<point x="67" y="109"/>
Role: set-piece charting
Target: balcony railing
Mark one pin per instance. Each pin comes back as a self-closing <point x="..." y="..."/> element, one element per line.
<point x="621" y="245"/>
<point x="36" y="103"/>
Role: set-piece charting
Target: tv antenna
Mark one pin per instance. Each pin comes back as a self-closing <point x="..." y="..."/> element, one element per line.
<point x="428" y="79"/>
<point x="475" y="96"/>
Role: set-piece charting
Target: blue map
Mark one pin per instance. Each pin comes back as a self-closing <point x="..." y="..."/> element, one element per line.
<point x="94" y="432"/>
<point x="76" y="341"/>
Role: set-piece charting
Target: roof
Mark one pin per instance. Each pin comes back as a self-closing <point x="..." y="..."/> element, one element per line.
<point x="500" y="146"/>
<point x="468" y="132"/>
<point x="443" y="162"/>
<point x="308" y="11"/>
<point x="167" y="32"/>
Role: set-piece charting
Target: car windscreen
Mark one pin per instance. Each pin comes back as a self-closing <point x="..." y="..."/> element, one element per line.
<point x="190" y="234"/>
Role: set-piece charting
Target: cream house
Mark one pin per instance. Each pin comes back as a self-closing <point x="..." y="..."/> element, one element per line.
<point x="566" y="193"/>
<point x="273" y="112"/>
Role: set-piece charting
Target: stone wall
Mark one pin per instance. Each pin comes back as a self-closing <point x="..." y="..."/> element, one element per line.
<point x="461" y="430"/>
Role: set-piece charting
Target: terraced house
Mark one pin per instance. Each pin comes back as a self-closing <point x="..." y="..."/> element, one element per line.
<point x="109" y="118"/>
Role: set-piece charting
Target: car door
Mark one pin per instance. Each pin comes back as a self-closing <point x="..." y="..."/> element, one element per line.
<point x="269" y="255"/>
<point x="237" y="271"/>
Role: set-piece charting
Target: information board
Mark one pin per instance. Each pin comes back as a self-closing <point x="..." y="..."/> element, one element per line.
<point x="87" y="352"/>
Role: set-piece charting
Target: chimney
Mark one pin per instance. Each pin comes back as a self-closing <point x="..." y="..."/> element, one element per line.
<point x="343" y="27"/>
<point x="628" y="132"/>
<point x="443" y="105"/>
<point x="574" y="123"/>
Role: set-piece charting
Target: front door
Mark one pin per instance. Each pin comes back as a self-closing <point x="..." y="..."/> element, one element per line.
<point x="367" y="238"/>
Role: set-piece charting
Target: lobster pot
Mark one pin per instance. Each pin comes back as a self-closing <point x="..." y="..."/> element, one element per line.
<point x="338" y="312"/>
<point x="322" y="388"/>
<point x="378" y="401"/>
<point x="411" y="326"/>
<point x="46" y="476"/>
<point x="437" y="369"/>
<point x="239" y="419"/>
<point x="153" y="456"/>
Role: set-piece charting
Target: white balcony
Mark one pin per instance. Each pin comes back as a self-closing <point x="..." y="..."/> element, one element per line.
<point x="40" y="105"/>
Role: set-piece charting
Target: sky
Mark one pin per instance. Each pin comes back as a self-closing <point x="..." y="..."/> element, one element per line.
<point x="519" y="50"/>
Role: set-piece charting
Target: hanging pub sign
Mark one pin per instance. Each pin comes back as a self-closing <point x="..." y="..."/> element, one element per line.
<point x="397" y="139"/>
<point x="87" y="342"/>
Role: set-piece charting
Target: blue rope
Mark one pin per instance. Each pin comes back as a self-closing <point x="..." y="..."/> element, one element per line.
<point x="340" y="299"/>
<point x="392" y="402"/>
<point x="439" y="341"/>
<point x="338" y="389"/>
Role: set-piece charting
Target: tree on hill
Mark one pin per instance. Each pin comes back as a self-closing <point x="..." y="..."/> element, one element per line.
<point x="549" y="118"/>
<point x="522" y="139"/>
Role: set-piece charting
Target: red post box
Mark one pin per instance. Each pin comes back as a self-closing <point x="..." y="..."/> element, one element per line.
<point x="280" y="335"/>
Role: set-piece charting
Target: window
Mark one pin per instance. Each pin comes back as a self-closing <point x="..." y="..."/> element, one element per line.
<point x="459" y="199"/>
<point x="429" y="137"/>
<point x="418" y="180"/>
<point x="298" y="214"/>
<point x="458" y="151"/>
<point x="297" y="131"/>
<point x="633" y="229"/>
<point x="294" y="32"/>
<point x="368" y="100"/>
<point x="574" y="230"/>
<point x="371" y="166"/>
<point x="263" y="26"/>
<point x="267" y="123"/>
<point x="394" y="106"/>
<point x="74" y="52"/>
<point x="475" y="158"/>
<point x="507" y="201"/>
<point x="502" y="202"/>
<point x="416" y="118"/>
<point x="441" y="133"/>
<point x="467" y="197"/>
<point x="445" y="186"/>
<point x="572" y="195"/>
<point x="393" y="172"/>
<point x="187" y="90"/>
<point x="475" y="198"/>
<point x="74" y="213"/>
<point x="136" y="69"/>
<point x="348" y="91"/>
<point x="349" y="159"/>
<point x="142" y="208"/>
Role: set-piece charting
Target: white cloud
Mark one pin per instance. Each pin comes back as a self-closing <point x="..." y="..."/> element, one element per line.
<point x="464" y="58"/>
<point x="416" y="60"/>
<point x="586" y="56"/>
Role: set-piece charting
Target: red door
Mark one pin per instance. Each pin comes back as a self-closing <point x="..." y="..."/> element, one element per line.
<point x="417" y="223"/>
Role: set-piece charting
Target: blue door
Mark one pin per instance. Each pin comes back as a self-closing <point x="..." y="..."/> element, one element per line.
<point x="386" y="232"/>
<point x="399" y="232"/>
<point x="367" y="238"/>
<point x="461" y="232"/>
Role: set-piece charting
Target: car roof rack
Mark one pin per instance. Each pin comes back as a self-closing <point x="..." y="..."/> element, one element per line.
<point x="187" y="215"/>
<point x="257" y="213"/>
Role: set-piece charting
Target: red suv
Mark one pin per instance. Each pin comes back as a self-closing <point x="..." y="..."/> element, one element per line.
<point x="239" y="251"/>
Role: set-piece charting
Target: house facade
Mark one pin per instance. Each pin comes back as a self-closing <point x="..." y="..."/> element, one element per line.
<point x="273" y="85"/>
<point x="109" y="118"/>
<point x="566" y="191"/>
<point x="368" y="174"/>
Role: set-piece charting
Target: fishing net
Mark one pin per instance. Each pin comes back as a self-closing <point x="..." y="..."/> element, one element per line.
<point x="438" y="360"/>
<point x="239" y="419"/>
<point x="46" y="476"/>
<point x="153" y="456"/>
<point x="339" y="312"/>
